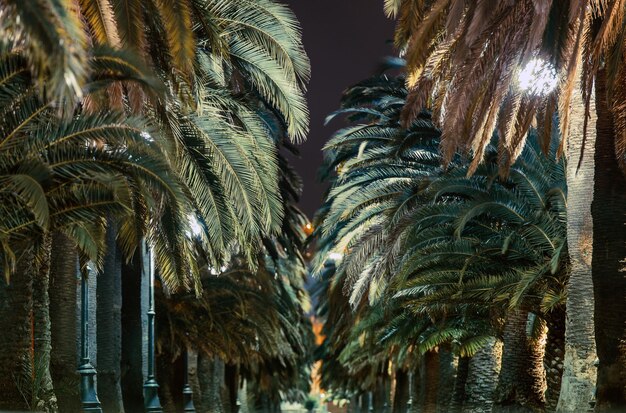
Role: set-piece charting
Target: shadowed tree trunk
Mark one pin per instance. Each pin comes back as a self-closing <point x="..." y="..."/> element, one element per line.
<point x="42" y="328"/>
<point x="265" y="402"/>
<point x="447" y="377"/>
<point x="609" y="249"/>
<point x="171" y="379"/>
<point x="232" y="387"/>
<point x="553" y="360"/>
<point x="211" y="380"/>
<point x="132" y="336"/>
<point x="416" y="391"/>
<point x="109" y="321"/>
<point x="431" y="381"/>
<point x="379" y="395"/>
<point x="16" y="340"/>
<point x="354" y="406"/>
<point x="458" y="393"/>
<point x="482" y="378"/>
<point x="401" y="392"/>
<point x="64" y="281"/>
<point x="521" y="384"/>
<point x="579" y="372"/>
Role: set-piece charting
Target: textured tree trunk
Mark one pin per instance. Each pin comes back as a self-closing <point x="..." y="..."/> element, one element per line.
<point x="361" y="404"/>
<point x="243" y="398"/>
<point x="521" y="384"/>
<point x="447" y="376"/>
<point x="609" y="249"/>
<point x="401" y="392"/>
<point x="16" y="340"/>
<point x="132" y="336"/>
<point x="232" y="387"/>
<point x="579" y="372"/>
<point x="458" y="393"/>
<point x="109" y="321"/>
<point x="553" y="359"/>
<point x="381" y="393"/>
<point x="416" y="390"/>
<point x="42" y="328"/>
<point x="431" y="381"/>
<point x="211" y="380"/>
<point x="482" y="378"/>
<point x="192" y="368"/>
<point x="171" y="379"/>
<point x="64" y="282"/>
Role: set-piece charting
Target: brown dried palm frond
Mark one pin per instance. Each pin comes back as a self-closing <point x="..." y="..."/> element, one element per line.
<point x="469" y="53"/>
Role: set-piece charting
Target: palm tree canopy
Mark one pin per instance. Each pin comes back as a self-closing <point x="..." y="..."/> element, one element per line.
<point x="465" y="58"/>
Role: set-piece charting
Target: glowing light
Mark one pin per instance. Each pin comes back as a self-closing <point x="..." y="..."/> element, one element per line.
<point x="335" y="256"/>
<point x="195" y="226"/>
<point x="146" y="136"/>
<point x="538" y="77"/>
<point x="308" y="228"/>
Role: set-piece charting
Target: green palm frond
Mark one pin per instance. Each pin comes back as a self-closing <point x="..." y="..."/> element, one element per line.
<point x="55" y="41"/>
<point x="267" y="77"/>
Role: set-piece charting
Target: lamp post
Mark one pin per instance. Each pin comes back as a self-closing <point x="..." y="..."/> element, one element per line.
<point x="88" y="392"/>
<point x="409" y="404"/>
<point x="151" y="387"/>
<point x="187" y="392"/>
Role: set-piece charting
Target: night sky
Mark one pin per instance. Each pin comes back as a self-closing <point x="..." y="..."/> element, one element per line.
<point x="346" y="40"/>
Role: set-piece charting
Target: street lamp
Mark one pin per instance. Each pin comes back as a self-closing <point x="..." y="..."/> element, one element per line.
<point x="151" y="387"/>
<point x="409" y="404"/>
<point x="88" y="392"/>
<point x="188" y="406"/>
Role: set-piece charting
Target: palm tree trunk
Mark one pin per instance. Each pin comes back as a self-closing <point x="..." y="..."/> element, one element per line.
<point x="170" y="380"/>
<point x="458" y="393"/>
<point x="109" y="321"/>
<point x="521" y="384"/>
<point x="609" y="249"/>
<point x="16" y="340"/>
<point x="211" y="380"/>
<point x="447" y="377"/>
<point x="232" y="386"/>
<point x="416" y="391"/>
<point x="132" y="335"/>
<point x="64" y="282"/>
<point x="243" y="398"/>
<point x="353" y="406"/>
<point x="431" y="381"/>
<point x="42" y="328"/>
<point x="579" y="372"/>
<point x="482" y="378"/>
<point x="401" y="392"/>
<point x="553" y="359"/>
<point x="379" y="397"/>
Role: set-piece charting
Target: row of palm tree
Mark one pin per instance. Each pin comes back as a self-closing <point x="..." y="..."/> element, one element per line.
<point x="455" y="279"/>
<point x="469" y="54"/>
<point x="462" y="239"/>
<point x="136" y="126"/>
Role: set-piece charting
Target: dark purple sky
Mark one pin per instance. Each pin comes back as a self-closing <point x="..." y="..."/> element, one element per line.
<point x="346" y="41"/>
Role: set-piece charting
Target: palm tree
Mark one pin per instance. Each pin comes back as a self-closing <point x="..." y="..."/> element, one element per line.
<point x="65" y="174"/>
<point x="241" y="63"/>
<point x="462" y="254"/>
<point x="249" y="324"/>
<point x="220" y="61"/>
<point x="471" y="54"/>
